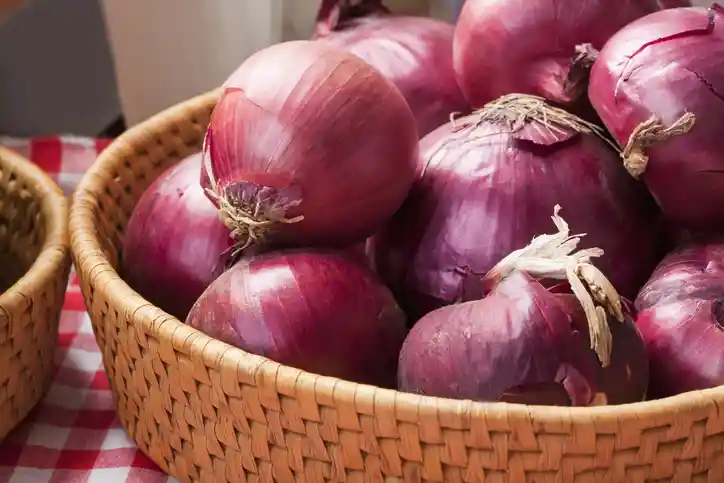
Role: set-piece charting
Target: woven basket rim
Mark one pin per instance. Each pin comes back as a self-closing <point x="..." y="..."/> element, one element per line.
<point x="54" y="207"/>
<point x="89" y="259"/>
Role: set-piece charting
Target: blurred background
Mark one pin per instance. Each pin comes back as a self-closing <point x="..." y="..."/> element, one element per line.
<point x="78" y="66"/>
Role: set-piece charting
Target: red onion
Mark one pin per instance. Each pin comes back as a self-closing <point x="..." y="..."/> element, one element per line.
<point x="309" y="145"/>
<point x="681" y="317"/>
<point x="658" y="86"/>
<point x="174" y="244"/>
<point x="315" y="311"/>
<point x="526" y="46"/>
<point x="484" y="192"/>
<point x="523" y="343"/>
<point x="415" y="53"/>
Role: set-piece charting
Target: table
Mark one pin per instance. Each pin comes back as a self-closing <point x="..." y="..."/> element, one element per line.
<point x="73" y="435"/>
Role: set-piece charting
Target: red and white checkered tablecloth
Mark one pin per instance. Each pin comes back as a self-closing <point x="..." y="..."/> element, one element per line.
<point x="73" y="436"/>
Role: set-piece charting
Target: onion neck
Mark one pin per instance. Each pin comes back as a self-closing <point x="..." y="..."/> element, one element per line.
<point x="647" y="134"/>
<point x="249" y="210"/>
<point x="336" y="15"/>
<point x="553" y="256"/>
<point x="580" y="70"/>
<point x="516" y="111"/>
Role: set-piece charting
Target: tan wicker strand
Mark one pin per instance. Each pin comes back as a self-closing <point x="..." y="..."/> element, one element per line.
<point x="34" y="266"/>
<point x="207" y="412"/>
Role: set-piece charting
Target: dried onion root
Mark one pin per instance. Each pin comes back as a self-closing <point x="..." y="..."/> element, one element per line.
<point x="553" y="256"/>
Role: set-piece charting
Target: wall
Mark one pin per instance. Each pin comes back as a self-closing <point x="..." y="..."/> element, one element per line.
<point x="56" y="74"/>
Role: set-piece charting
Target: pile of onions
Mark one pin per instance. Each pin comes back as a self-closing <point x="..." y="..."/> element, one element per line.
<point x="414" y="53"/>
<point x="526" y="46"/>
<point x="175" y="245"/>
<point x="681" y="317"/>
<point x="658" y="86"/>
<point x="309" y="145"/>
<point x="523" y="343"/>
<point x="486" y="184"/>
<point x="316" y="311"/>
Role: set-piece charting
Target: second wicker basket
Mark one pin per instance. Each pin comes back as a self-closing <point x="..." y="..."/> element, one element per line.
<point x="34" y="266"/>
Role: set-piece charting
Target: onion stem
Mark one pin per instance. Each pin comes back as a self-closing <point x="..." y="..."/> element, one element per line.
<point x="517" y="110"/>
<point x="579" y="70"/>
<point x="648" y="133"/>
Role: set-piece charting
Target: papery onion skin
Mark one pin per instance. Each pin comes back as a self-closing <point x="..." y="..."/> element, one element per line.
<point x="664" y="66"/>
<point x="175" y="243"/>
<point x="681" y="317"/>
<point x="526" y="46"/>
<point x="306" y="129"/>
<point x="415" y="53"/>
<point x="316" y="311"/>
<point x="518" y="344"/>
<point x="486" y="191"/>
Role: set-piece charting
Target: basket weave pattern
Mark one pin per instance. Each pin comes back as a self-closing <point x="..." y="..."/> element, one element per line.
<point x="208" y="412"/>
<point x="34" y="266"/>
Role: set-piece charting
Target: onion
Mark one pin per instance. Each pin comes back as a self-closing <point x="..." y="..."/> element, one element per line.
<point x="681" y="317"/>
<point x="523" y="343"/>
<point x="658" y="85"/>
<point x="414" y="53"/>
<point x="309" y="145"/>
<point x="175" y="244"/>
<point x="315" y="311"/>
<point x="508" y="46"/>
<point x="487" y="180"/>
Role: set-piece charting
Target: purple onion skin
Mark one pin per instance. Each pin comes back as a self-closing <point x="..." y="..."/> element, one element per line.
<point x="626" y="378"/>
<point x="414" y="53"/>
<point x="518" y="340"/>
<point x="526" y="46"/>
<point x="175" y="243"/>
<point x="486" y="192"/>
<point x="667" y="64"/>
<point x="680" y="316"/>
<point x="317" y="311"/>
<point x="307" y="129"/>
<point x="523" y="344"/>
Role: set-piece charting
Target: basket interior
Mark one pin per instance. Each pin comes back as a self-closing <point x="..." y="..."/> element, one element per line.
<point x="22" y="225"/>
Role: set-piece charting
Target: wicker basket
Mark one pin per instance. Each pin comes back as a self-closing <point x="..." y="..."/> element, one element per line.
<point x="208" y="412"/>
<point x="34" y="266"/>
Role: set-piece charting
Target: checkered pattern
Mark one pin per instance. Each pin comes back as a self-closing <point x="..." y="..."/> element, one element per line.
<point x="73" y="435"/>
